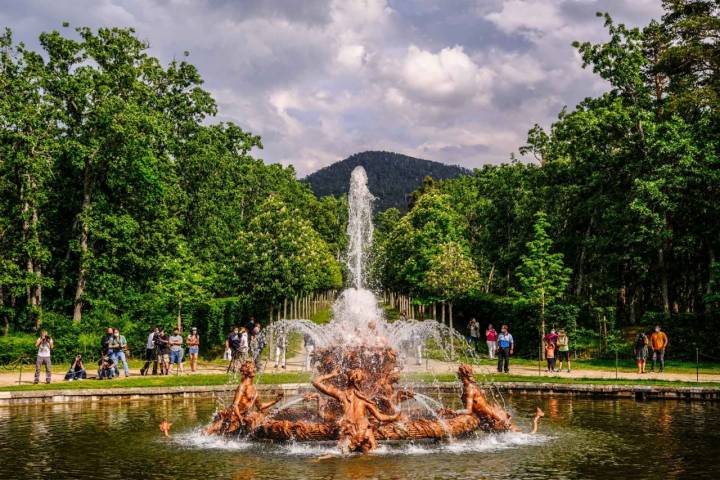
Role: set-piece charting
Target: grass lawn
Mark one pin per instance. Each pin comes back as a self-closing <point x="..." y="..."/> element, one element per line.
<point x="447" y="377"/>
<point x="303" y="377"/>
<point x="163" y="381"/>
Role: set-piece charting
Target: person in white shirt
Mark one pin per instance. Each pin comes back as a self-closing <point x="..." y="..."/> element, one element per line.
<point x="151" y="352"/>
<point x="44" y="345"/>
<point x="281" y="346"/>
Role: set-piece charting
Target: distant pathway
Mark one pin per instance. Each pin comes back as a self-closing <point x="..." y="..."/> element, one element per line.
<point x="296" y="363"/>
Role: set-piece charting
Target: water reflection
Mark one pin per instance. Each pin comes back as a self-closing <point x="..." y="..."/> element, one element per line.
<point x="579" y="438"/>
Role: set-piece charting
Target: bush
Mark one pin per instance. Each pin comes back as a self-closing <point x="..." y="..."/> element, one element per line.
<point x="17" y="346"/>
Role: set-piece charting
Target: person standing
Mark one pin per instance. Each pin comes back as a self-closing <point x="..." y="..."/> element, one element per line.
<point x="237" y="342"/>
<point x="250" y="327"/>
<point x="257" y="346"/>
<point x="163" y="343"/>
<point x="281" y="346"/>
<point x="491" y="341"/>
<point x="641" y="351"/>
<point x="151" y="352"/>
<point x="563" y="349"/>
<point x="550" y="356"/>
<point x="309" y="344"/>
<point x="505" y="348"/>
<point x="474" y="337"/>
<point x="105" y="341"/>
<point x="119" y="347"/>
<point x="176" y="350"/>
<point x="658" y="342"/>
<point x="552" y="337"/>
<point x="193" y="343"/>
<point x="44" y="344"/>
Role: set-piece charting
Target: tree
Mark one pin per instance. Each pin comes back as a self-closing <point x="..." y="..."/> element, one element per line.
<point x="451" y="275"/>
<point x="404" y="255"/>
<point x="280" y="256"/>
<point x="121" y="110"/>
<point x="542" y="275"/>
<point x="182" y="281"/>
<point x="28" y="141"/>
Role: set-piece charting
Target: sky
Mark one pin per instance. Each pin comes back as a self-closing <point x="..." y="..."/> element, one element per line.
<point x="456" y="81"/>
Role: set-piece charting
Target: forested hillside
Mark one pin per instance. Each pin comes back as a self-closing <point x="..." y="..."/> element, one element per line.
<point x="614" y="225"/>
<point x="391" y="177"/>
<point x="122" y="203"/>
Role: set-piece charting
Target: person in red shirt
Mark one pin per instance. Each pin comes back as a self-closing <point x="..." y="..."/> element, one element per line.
<point x="491" y="340"/>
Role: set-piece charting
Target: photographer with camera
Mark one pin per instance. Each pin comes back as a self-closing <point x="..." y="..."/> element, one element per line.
<point x="162" y="341"/>
<point x="77" y="370"/>
<point x="105" y="342"/>
<point x="44" y="345"/>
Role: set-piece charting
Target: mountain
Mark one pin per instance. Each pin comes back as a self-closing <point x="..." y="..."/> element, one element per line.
<point x="392" y="177"/>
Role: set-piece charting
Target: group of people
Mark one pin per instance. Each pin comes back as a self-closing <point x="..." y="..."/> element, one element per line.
<point x="498" y="345"/>
<point x="491" y="337"/>
<point x="557" y="346"/>
<point x="163" y="351"/>
<point x="658" y="342"/>
<point x="248" y="343"/>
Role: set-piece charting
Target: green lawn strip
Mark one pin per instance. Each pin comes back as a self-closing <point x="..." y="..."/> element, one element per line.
<point x="163" y="381"/>
<point x="448" y="377"/>
<point x="302" y="377"/>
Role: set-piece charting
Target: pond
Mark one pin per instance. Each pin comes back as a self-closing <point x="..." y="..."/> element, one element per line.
<point x="579" y="438"/>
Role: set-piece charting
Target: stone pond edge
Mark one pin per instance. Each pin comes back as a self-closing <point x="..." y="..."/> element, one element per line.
<point x="637" y="392"/>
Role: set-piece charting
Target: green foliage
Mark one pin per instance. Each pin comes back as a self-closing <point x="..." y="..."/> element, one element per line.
<point x="406" y="251"/>
<point x="122" y="204"/>
<point x="451" y="274"/>
<point x="542" y="275"/>
<point x="629" y="183"/>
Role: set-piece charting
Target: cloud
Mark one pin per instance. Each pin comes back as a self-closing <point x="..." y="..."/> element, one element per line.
<point x="322" y="79"/>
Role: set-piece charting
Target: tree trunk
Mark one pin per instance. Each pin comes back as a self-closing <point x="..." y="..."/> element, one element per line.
<point x="82" y="273"/>
<point x="711" y="276"/>
<point x="490" y="279"/>
<point x="5" y="315"/>
<point x="581" y="258"/>
<point x="664" y="283"/>
<point x="29" y="230"/>
<point x="179" y="317"/>
<point x="542" y="329"/>
<point x="452" y="339"/>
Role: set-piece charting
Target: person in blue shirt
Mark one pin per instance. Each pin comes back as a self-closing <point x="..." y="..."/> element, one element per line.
<point x="505" y="345"/>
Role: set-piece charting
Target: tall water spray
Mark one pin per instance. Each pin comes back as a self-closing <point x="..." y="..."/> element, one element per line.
<point x="356" y="314"/>
<point x="360" y="227"/>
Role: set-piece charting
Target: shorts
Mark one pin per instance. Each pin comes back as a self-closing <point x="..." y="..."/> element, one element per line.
<point x="176" y="356"/>
<point x="193" y="350"/>
<point x="164" y="357"/>
<point x="564" y="356"/>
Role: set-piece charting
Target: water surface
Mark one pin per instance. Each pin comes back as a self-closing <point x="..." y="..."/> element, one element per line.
<point x="579" y="439"/>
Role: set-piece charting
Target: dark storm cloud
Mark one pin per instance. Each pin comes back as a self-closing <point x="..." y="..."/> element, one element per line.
<point x="459" y="81"/>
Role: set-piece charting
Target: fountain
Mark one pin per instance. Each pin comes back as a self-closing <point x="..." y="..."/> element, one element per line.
<point x="357" y="401"/>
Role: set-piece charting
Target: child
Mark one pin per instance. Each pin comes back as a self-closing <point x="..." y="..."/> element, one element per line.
<point x="550" y="356"/>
